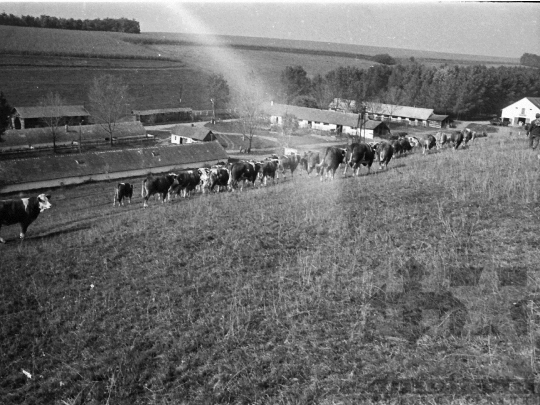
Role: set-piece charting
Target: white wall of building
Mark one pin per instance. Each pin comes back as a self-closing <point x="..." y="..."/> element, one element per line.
<point x="521" y="112"/>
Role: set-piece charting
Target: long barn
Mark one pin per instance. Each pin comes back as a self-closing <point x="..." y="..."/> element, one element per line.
<point x="56" y="171"/>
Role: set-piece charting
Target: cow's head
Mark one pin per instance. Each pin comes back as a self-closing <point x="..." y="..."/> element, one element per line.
<point x="43" y="201"/>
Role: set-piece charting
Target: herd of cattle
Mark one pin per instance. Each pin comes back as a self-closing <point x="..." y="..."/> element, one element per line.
<point x="230" y="176"/>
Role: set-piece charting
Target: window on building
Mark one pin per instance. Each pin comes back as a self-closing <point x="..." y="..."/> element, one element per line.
<point x="523" y="110"/>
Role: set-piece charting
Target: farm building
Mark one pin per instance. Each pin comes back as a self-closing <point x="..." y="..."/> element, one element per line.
<point x="398" y="113"/>
<point x="41" y="138"/>
<point x="342" y="105"/>
<point x="181" y="134"/>
<point x="163" y="115"/>
<point x="374" y="128"/>
<point x="324" y="120"/>
<point x="33" y="117"/>
<point x="438" y="121"/>
<point x="54" y="171"/>
<point x="521" y="112"/>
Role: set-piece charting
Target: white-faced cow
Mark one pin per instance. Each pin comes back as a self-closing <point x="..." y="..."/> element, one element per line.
<point x="216" y="176"/>
<point x="242" y="172"/>
<point x="468" y="136"/>
<point x="357" y="154"/>
<point x="333" y="157"/>
<point x="428" y="143"/>
<point x="269" y="169"/>
<point x="184" y="183"/>
<point x="121" y="192"/>
<point x="22" y="211"/>
<point x="413" y="141"/>
<point x="456" y="138"/>
<point x="384" y="153"/>
<point x="310" y="161"/>
<point x="156" y="185"/>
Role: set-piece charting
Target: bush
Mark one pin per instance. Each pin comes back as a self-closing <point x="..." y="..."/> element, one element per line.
<point x="384" y="59"/>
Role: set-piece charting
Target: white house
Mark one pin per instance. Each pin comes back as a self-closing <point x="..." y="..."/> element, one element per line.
<point x="522" y="111"/>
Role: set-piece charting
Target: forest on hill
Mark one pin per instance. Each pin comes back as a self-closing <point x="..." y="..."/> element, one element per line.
<point x="461" y="91"/>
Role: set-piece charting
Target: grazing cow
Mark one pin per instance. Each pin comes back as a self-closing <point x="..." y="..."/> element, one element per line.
<point x="122" y="190"/>
<point x="184" y="183"/>
<point x="441" y="138"/>
<point x="156" y="185"/>
<point x="468" y="135"/>
<point x="310" y="161"/>
<point x="269" y="169"/>
<point x="456" y="138"/>
<point x="333" y="157"/>
<point x="384" y="153"/>
<point x="413" y="141"/>
<point x="22" y="211"/>
<point x="428" y="143"/>
<point x="357" y="154"/>
<point x="244" y="171"/>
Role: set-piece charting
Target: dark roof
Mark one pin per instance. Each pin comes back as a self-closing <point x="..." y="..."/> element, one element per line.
<point x="198" y="133"/>
<point x="372" y="124"/>
<point x="161" y="111"/>
<point x="58" y="167"/>
<point x="312" y="114"/>
<point x="38" y="136"/>
<point x="62" y="111"/>
<point x="437" y="117"/>
<point x="534" y="100"/>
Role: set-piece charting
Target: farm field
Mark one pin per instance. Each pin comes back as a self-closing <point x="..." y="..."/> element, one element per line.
<point x="300" y="292"/>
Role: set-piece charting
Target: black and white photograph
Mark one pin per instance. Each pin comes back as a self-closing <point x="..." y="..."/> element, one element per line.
<point x="269" y="202"/>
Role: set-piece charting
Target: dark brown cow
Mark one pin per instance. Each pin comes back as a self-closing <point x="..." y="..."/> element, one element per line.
<point x="156" y="185"/>
<point x="310" y="161"/>
<point x="244" y="171"/>
<point x="22" y="211"/>
<point x="441" y="138"/>
<point x="184" y="183"/>
<point x="384" y="153"/>
<point x="333" y="157"/>
<point x="405" y="145"/>
<point x="398" y="149"/>
<point x="357" y="154"/>
<point x="122" y="190"/>
<point x="456" y="138"/>
<point x="269" y="169"/>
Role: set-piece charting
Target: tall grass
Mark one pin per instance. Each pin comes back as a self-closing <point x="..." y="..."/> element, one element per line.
<point x="267" y="296"/>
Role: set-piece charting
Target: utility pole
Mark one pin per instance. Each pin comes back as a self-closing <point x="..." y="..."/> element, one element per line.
<point x="213" y="111"/>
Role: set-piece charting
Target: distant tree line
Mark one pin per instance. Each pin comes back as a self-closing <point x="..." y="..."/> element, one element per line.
<point x="45" y="21"/>
<point x="460" y="91"/>
<point x="530" y="59"/>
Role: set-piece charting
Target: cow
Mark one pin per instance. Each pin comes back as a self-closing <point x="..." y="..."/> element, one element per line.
<point x="384" y="153"/>
<point x="184" y="183"/>
<point x="289" y="162"/>
<point x="22" y="211"/>
<point x="398" y="149"/>
<point x="441" y="138"/>
<point x="357" y="154"/>
<point x="218" y="175"/>
<point x="310" y="161"/>
<point x="468" y="135"/>
<point x="456" y="138"/>
<point x="269" y="169"/>
<point x="242" y="172"/>
<point x="428" y="143"/>
<point x="405" y="145"/>
<point x="122" y="190"/>
<point x="413" y="141"/>
<point x="156" y="185"/>
<point x="333" y="157"/>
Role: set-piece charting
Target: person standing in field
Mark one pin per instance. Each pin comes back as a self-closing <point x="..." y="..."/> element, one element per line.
<point x="534" y="132"/>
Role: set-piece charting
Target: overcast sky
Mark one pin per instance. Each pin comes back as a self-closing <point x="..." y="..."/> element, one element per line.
<point x="480" y="28"/>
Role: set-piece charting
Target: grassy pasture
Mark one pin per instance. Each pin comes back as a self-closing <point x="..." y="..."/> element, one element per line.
<point x="266" y="296"/>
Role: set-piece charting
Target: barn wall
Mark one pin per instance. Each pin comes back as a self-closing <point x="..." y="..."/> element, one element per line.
<point x="98" y="177"/>
<point x="515" y="114"/>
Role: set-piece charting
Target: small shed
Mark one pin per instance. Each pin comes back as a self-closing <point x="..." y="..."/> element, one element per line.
<point x="438" y="121"/>
<point x="59" y="170"/>
<point x="163" y="115"/>
<point x="181" y="134"/>
<point x="32" y="117"/>
<point x="374" y="128"/>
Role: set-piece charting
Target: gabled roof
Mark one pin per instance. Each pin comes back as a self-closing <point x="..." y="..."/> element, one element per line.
<point x="161" y="111"/>
<point x="62" y="111"/>
<point x="400" y="111"/>
<point x="38" y="136"/>
<point x="534" y="100"/>
<point x="198" y="133"/>
<point x="63" y="166"/>
<point x="437" y="117"/>
<point x="372" y="124"/>
<point x="312" y="114"/>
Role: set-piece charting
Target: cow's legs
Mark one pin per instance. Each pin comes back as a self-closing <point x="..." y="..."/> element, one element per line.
<point x="2" y="240"/>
